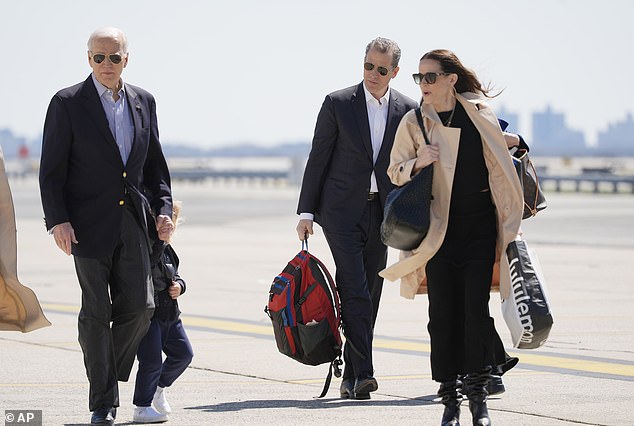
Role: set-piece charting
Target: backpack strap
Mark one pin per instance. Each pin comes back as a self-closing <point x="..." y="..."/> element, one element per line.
<point x="333" y="288"/>
<point x="302" y="299"/>
<point x="336" y="299"/>
<point x="336" y="365"/>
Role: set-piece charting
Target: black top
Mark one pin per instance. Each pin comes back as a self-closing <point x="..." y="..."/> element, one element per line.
<point x="165" y="270"/>
<point x="470" y="190"/>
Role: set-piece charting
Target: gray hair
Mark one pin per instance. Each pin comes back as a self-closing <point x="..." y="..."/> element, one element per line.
<point x="110" y="33"/>
<point x="385" y="45"/>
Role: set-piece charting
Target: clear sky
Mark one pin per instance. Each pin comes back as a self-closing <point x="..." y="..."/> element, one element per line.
<point x="232" y="71"/>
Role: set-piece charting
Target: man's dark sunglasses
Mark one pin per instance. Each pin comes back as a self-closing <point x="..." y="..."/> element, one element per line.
<point x="429" y="77"/>
<point x="115" y="58"/>
<point x="381" y="70"/>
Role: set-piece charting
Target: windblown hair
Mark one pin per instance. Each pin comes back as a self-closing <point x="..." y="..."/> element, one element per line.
<point x="385" y="45"/>
<point x="111" y="33"/>
<point x="177" y="206"/>
<point x="467" y="79"/>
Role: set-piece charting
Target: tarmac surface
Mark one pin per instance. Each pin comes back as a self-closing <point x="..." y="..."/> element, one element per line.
<point x="235" y="239"/>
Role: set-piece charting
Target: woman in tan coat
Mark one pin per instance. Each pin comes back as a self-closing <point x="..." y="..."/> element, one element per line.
<point x="19" y="308"/>
<point x="475" y="212"/>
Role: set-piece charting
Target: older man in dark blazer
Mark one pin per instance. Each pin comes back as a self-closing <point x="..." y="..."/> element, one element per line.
<point x="344" y="188"/>
<point x="100" y="156"/>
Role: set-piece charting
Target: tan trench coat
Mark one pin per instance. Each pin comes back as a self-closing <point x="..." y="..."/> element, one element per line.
<point x="506" y="191"/>
<point x="19" y="307"/>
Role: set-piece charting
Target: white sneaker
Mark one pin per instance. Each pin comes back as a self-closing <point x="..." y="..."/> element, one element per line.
<point x="160" y="401"/>
<point x="148" y="415"/>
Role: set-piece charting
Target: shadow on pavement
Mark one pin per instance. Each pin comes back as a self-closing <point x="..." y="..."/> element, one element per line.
<point x="312" y="404"/>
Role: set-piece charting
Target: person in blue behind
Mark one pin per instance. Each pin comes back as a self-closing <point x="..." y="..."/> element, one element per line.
<point x="166" y="334"/>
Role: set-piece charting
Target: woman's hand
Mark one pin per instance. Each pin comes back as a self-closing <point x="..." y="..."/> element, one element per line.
<point x="428" y="155"/>
<point x="511" y="139"/>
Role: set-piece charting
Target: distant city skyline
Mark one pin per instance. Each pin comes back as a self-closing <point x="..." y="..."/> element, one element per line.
<point x="551" y="135"/>
<point x="251" y="71"/>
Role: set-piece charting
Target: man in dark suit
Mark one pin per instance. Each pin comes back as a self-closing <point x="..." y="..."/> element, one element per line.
<point x="100" y="155"/>
<point x="344" y="188"/>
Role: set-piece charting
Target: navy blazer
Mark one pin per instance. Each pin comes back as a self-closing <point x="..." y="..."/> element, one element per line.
<point x="337" y="176"/>
<point x="82" y="177"/>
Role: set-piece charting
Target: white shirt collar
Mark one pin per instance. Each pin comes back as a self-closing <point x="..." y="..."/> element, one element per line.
<point x="385" y="99"/>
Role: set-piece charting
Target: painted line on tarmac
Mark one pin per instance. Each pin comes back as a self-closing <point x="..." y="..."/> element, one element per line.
<point x="538" y="361"/>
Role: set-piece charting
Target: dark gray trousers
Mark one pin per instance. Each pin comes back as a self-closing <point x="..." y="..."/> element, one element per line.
<point x="359" y="255"/>
<point x="115" y="289"/>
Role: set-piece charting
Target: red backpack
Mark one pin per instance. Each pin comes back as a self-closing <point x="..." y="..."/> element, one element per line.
<point x="306" y="315"/>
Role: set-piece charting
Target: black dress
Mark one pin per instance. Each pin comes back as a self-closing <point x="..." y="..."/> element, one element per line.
<point x="459" y="274"/>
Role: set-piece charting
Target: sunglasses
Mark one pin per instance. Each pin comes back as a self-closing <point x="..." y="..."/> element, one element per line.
<point x="115" y="58"/>
<point x="381" y="70"/>
<point x="429" y="77"/>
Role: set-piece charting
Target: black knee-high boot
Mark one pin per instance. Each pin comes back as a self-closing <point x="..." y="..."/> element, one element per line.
<point x="450" y="397"/>
<point x="476" y="389"/>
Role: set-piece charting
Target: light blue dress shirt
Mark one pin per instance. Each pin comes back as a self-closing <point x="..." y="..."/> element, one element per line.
<point x="119" y="118"/>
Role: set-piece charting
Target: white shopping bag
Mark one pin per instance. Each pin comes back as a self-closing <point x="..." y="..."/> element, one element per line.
<point x="526" y="311"/>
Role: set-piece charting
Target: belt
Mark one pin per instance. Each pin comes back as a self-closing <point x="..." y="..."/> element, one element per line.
<point x="373" y="196"/>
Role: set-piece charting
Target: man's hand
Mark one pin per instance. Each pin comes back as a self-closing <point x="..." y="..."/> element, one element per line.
<point x="304" y="228"/>
<point x="64" y="235"/>
<point x="175" y="290"/>
<point x="164" y="227"/>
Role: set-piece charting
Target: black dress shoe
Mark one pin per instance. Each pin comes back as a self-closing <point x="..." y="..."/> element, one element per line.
<point x="103" y="416"/>
<point x="361" y="396"/>
<point x="347" y="389"/>
<point x="363" y="387"/>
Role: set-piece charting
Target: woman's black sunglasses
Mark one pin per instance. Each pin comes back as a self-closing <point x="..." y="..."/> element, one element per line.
<point x="429" y="77"/>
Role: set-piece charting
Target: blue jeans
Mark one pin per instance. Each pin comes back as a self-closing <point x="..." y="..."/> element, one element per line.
<point x="162" y="336"/>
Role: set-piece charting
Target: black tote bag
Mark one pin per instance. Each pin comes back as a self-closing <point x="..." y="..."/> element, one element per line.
<point x="406" y="214"/>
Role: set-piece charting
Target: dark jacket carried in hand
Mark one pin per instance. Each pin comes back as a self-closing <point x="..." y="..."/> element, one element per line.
<point x="165" y="270"/>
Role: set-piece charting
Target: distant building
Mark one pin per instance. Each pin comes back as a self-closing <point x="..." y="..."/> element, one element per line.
<point x="16" y="146"/>
<point x="617" y="140"/>
<point x="551" y="136"/>
<point x="10" y="143"/>
<point x="510" y="117"/>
